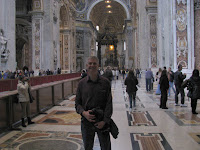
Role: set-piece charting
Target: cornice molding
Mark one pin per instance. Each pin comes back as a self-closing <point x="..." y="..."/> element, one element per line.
<point x="151" y="9"/>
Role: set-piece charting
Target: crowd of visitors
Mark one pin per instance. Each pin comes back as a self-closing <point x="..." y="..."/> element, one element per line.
<point x="28" y="73"/>
<point x="164" y="79"/>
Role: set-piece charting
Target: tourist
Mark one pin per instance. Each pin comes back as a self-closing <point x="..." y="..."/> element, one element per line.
<point x="178" y="80"/>
<point x="94" y="92"/>
<point x="164" y="86"/>
<point x="23" y="88"/>
<point x="158" y="75"/>
<point x="193" y="85"/>
<point x="131" y="88"/>
<point x="149" y="77"/>
<point x="171" y="80"/>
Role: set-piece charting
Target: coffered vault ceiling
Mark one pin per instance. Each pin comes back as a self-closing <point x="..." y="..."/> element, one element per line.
<point x="113" y="21"/>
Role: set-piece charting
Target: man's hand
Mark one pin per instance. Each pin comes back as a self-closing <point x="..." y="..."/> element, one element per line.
<point x="100" y="124"/>
<point x="88" y="116"/>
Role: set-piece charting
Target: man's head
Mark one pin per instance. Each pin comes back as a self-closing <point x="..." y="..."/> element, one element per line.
<point x="195" y="73"/>
<point x="180" y="67"/>
<point x="92" y="64"/>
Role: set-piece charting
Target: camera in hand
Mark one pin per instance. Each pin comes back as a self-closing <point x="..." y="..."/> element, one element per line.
<point x="98" y="112"/>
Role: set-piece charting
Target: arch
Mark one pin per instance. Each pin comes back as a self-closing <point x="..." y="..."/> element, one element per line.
<point x="64" y="17"/>
<point x="23" y="22"/>
<point x="98" y="1"/>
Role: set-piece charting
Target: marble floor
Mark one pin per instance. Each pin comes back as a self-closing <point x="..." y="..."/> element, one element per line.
<point x="147" y="127"/>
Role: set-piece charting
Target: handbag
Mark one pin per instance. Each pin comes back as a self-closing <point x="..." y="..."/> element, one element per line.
<point x="113" y="129"/>
<point x="16" y="98"/>
<point x="30" y="96"/>
<point x="189" y="94"/>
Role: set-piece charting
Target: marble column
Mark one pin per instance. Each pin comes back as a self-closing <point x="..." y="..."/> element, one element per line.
<point x="197" y="33"/>
<point x="7" y="25"/>
<point x="129" y="52"/>
<point x="30" y="51"/>
<point x="87" y="44"/>
<point x="152" y="34"/>
<point x="99" y="53"/>
<point x="116" y="63"/>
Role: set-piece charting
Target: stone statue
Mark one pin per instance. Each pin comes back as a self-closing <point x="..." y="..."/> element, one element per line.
<point x="3" y="41"/>
<point x="3" y="45"/>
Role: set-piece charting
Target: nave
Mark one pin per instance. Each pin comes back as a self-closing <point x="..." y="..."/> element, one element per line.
<point x="145" y="128"/>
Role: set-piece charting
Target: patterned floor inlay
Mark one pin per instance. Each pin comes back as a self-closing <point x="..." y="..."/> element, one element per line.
<point x="40" y="140"/>
<point x="140" y="119"/>
<point x="185" y="118"/>
<point x="61" y="118"/>
<point x="195" y="136"/>
<point x="149" y="141"/>
<point x="126" y="97"/>
<point x="138" y="105"/>
<point x="69" y="105"/>
<point x="157" y="98"/>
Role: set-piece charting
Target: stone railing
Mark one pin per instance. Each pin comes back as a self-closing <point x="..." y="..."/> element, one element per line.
<point x="46" y="96"/>
<point x="11" y="84"/>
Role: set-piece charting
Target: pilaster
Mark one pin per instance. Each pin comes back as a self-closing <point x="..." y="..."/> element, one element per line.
<point x="197" y="33"/>
<point x="152" y="33"/>
<point x="37" y="37"/>
<point x="183" y="40"/>
<point x="129" y="61"/>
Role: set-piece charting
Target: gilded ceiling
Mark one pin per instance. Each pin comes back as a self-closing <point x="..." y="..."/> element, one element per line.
<point x="114" y="21"/>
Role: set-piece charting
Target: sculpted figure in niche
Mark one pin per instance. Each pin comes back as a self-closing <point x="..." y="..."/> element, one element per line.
<point x="3" y="45"/>
<point x="3" y="42"/>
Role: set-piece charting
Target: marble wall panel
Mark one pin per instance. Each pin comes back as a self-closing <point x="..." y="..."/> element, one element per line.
<point x="181" y="33"/>
<point x="153" y="36"/>
<point x="197" y="36"/>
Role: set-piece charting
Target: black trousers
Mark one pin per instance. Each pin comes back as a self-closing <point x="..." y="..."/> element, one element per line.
<point x="163" y="99"/>
<point x="179" y="89"/>
<point x="194" y="104"/>
<point x="88" y="133"/>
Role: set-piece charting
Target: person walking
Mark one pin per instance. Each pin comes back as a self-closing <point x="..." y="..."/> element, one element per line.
<point x="24" y="99"/>
<point x="114" y="73"/>
<point x="158" y="75"/>
<point x="123" y="73"/>
<point x="171" y="80"/>
<point x="193" y="85"/>
<point x="178" y="80"/>
<point x="148" y="77"/>
<point x="108" y="73"/>
<point x="94" y="92"/>
<point x="131" y="88"/>
<point x="164" y="86"/>
<point x="117" y="73"/>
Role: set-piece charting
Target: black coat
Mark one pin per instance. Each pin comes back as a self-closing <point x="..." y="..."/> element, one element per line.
<point x="164" y="83"/>
<point x="178" y="78"/>
<point x="108" y="74"/>
<point x="131" y="84"/>
<point x="194" y="82"/>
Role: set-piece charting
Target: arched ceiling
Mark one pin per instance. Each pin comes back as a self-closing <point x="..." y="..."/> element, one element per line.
<point x="113" y="21"/>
